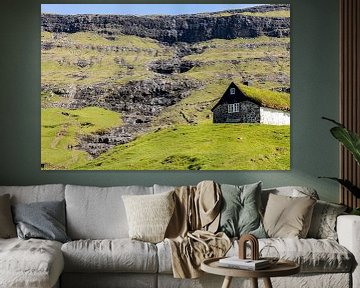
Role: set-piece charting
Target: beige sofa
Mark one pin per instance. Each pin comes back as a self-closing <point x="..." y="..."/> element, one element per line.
<point x="101" y="254"/>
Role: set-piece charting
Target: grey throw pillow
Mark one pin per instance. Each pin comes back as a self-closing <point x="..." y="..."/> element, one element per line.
<point x="323" y="222"/>
<point x="7" y="227"/>
<point x="43" y="220"/>
<point x="240" y="213"/>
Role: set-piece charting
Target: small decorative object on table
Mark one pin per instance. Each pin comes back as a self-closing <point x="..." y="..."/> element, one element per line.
<point x="254" y="246"/>
<point x="269" y="253"/>
<point x="281" y="268"/>
<point x="241" y="261"/>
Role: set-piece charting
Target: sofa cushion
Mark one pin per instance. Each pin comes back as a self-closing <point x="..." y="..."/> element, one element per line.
<point x="149" y="215"/>
<point x="290" y="191"/>
<point x="7" y="227"/>
<point x="117" y="255"/>
<point x="240" y="210"/>
<point x="98" y="213"/>
<point x="30" y="263"/>
<point x="323" y="222"/>
<point x="313" y="255"/>
<point x="43" y="220"/>
<point x="287" y="216"/>
<point x="163" y="188"/>
<point x="109" y="280"/>
<point x="36" y="193"/>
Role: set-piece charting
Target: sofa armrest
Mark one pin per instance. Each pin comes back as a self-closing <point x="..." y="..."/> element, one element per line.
<point x="348" y="230"/>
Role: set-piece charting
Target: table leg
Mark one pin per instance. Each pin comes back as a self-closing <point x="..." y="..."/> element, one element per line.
<point x="267" y="283"/>
<point x="254" y="282"/>
<point x="227" y="282"/>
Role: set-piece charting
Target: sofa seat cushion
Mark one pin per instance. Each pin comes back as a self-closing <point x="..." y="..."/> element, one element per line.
<point x="313" y="255"/>
<point x="115" y="255"/>
<point x="30" y="263"/>
<point x="98" y="212"/>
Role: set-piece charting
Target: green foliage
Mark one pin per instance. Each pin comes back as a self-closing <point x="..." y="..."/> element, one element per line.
<point x="61" y="129"/>
<point x="355" y="211"/>
<point x="202" y="147"/>
<point x="351" y="141"/>
<point x="347" y="184"/>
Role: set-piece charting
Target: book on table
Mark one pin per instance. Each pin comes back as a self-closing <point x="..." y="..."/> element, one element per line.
<point x="236" y="262"/>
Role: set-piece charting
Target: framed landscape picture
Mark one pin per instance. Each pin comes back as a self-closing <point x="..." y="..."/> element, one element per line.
<point x="165" y="87"/>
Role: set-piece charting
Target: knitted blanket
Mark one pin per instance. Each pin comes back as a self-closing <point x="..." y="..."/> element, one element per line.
<point x="191" y="232"/>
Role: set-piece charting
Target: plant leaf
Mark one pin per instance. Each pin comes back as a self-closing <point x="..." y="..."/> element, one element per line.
<point x="347" y="184"/>
<point x="349" y="139"/>
<point x="333" y="121"/>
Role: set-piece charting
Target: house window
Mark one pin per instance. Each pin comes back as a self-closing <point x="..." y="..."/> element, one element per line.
<point x="232" y="108"/>
<point x="232" y="91"/>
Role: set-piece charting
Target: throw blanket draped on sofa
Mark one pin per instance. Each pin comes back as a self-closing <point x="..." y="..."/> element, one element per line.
<point x="191" y="231"/>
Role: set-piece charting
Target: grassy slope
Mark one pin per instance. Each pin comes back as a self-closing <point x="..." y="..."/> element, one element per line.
<point x="59" y="66"/>
<point x="202" y="147"/>
<point x="260" y="59"/>
<point x="272" y="14"/>
<point x="60" y="129"/>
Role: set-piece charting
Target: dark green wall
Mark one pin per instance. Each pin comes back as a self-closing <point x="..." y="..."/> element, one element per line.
<point x="314" y="87"/>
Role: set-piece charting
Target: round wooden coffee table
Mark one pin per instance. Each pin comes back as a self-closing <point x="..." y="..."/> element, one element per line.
<point x="281" y="268"/>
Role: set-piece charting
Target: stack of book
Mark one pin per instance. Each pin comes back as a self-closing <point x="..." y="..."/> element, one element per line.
<point x="248" y="264"/>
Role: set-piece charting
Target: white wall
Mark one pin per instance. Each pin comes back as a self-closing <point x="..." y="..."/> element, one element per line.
<point x="274" y="117"/>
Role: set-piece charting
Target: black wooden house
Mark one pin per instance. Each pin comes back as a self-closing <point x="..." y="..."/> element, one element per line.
<point x="235" y="107"/>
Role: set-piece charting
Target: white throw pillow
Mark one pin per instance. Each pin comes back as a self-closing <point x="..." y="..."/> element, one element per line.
<point x="149" y="215"/>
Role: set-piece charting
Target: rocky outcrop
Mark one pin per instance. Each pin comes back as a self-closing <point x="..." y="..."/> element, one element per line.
<point x="172" y="29"/>
<point x="172" y="66"/>
<point x="137" y="101"/>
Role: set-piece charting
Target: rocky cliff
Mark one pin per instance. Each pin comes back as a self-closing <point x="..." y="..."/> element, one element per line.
<point x="171" y="29"/>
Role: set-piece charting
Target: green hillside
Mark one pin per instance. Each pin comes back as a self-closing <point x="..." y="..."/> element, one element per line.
<point x="272" y="14"/>
<point x="87" y="58"/>
<point x="202" y="147"/>
<point x="61" y="130"/>
<point x="263" y="60"/>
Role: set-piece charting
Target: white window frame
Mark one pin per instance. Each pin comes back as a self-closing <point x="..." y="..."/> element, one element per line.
<point x="233" y="108"/>
<point x="236" y="107"/>
<point x="232" y="91"/>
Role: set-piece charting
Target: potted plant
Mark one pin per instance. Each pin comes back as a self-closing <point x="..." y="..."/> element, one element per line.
<point x="351" y="141"/>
